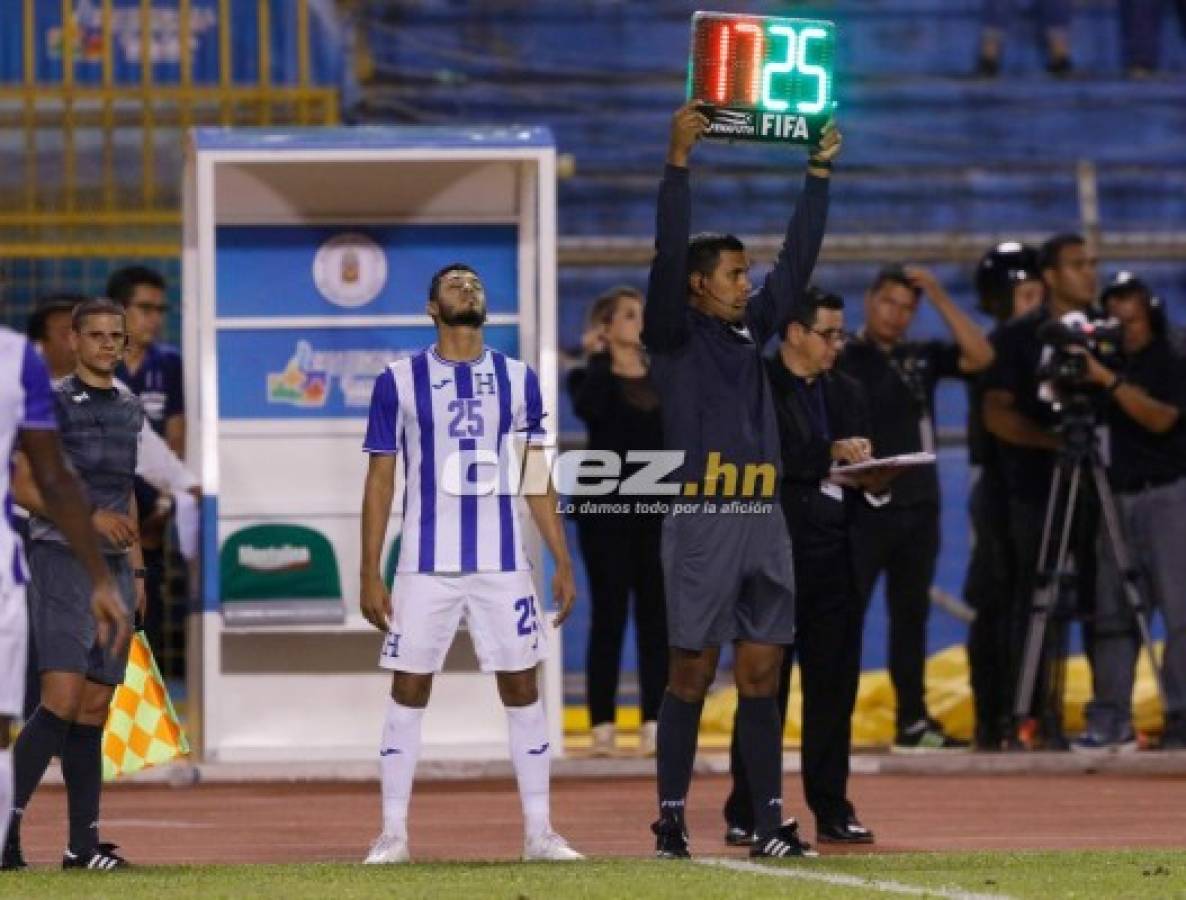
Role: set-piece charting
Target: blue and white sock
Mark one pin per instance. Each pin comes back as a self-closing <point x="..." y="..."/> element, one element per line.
<point x="531" y="754"/>
<point x="398" y="754"/>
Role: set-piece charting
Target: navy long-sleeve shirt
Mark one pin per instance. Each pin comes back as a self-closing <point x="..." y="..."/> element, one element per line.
<point x="712" y="386"/>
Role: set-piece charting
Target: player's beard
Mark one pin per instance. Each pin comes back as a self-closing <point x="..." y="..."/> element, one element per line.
<point x="472" y="317"/>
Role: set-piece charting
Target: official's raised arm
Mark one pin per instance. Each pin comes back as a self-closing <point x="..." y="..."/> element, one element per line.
<point x="801" y="245"/>
<point x="665" y="324"/>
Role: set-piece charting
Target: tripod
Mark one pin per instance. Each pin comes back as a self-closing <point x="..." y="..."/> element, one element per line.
<point x="1080" y="454"/>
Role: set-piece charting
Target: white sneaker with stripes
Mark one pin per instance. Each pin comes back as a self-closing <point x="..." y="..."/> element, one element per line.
<point x="102" y="859"/>
<point x="387" y="850"/>
<point x="548" y="847"/>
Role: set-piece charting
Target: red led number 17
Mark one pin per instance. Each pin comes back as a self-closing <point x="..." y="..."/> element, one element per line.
<point x="729" y="39"/>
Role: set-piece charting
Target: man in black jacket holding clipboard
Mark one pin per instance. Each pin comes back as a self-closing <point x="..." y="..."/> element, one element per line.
<point x="823" y="420"/>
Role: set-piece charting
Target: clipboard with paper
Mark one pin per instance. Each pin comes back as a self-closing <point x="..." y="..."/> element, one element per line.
<point x="885" y="469"/>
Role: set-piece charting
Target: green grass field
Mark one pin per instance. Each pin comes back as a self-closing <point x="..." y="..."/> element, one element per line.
<point x="1133" y="873"/>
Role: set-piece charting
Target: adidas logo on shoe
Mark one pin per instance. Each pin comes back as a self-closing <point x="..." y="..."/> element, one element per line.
<point x="102" y="859"/>
<point x="783" y="842"/>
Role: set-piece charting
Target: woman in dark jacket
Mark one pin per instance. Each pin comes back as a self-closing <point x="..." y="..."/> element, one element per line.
<point x="614" y="397"/>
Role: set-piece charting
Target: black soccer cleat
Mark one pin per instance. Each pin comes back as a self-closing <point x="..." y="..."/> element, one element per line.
<point x="12" y="859"/>
<point x="736" y="836"/>
<point x="102" y="859"/>
<point x="671" y="839"/>
<point x="783" y="842"/>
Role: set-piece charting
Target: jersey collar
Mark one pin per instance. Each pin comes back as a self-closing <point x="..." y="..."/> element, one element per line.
<point x="481" y="357"/>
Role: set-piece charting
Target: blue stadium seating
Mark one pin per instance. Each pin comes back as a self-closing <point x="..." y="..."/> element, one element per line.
<point x="598" y="39"/>
<point x="927" y="149"/>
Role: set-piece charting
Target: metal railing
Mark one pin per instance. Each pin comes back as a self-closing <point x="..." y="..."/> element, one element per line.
<point x="922" y="247"/>
<point x="74" y="152"/>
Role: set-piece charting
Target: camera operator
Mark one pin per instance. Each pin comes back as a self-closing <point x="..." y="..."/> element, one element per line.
<point x="901" y="538"/>
<point x="1008" y="285"/>
<point x="1147" y="472"/>
<point x="1024" y="424"/>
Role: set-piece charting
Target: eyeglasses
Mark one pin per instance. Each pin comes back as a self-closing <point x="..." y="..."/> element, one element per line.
<point x="832" y="335"/>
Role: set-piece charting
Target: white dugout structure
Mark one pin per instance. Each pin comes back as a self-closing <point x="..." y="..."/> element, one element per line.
<point x="307" y="255"/>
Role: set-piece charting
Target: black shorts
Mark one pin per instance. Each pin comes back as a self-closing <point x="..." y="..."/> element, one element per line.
<point x="728" y="577"/>
<point x="63" y="625"/>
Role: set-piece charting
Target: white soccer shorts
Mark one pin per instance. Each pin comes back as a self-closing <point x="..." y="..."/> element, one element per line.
<point x="13" y="647"/>
<point x="501" y="610"/>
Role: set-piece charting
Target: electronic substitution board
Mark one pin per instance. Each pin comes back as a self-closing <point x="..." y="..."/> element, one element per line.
<point x="762" y="78"/>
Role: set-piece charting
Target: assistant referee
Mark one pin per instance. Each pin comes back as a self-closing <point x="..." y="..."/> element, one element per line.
<point x="100" y="428"/>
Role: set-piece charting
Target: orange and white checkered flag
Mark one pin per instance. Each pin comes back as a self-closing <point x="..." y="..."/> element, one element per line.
<point x="142" y="727"/>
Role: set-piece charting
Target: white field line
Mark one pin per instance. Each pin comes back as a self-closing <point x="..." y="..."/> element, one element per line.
<point x="854" y="881"/>
<point x="157" y="823"/>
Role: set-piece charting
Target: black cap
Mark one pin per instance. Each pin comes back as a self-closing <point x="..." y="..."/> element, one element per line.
<point x="1000" y="270"/>
<point x="1125" y="282"/>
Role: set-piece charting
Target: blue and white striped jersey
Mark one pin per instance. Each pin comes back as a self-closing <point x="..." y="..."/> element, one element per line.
<point x="26" y="401"/>
<point x="450" y="422"/>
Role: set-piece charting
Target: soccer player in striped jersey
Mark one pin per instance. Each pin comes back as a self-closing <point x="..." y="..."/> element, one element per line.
<point x="27" y="415"/>
<point x="443" y="416"/>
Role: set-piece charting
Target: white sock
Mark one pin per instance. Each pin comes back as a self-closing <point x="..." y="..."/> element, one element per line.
<point x="5" y="793"/>
<point x="532" y="756"/>
<point x="397" y="764"/>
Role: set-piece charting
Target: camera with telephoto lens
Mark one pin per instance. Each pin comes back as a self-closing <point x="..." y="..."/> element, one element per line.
<point x="1063" y="368"/>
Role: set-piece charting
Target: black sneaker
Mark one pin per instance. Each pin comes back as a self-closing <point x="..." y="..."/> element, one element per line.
<point x="102" y="859"/>
<point x="988" y="66"/>
<point x="782" y="842"/>
<point x="1054" y="740"/>
<point x="1060" y="66"/>
<point x="1174" y="735"/>
<point x="925" y="736"/>
<point x="671" y="839"/>
<point x="736" y="836"/>
<point x="843" y="831"/>
<point x="13" y="859"/>
<point x="988" y="739"/>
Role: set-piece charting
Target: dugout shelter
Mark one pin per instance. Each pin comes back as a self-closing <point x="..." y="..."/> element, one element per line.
<point x="307" y="256"/>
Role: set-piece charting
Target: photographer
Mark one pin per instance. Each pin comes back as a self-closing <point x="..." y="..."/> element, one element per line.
<point x="1008" y="285"/>
<point x="1145" y="416"/>
<point x="1024" y="424"/>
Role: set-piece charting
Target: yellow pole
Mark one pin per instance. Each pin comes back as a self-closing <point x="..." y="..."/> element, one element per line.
<point x="187" y="63"/>
<point x="42" y="250"/>
<point x="30" y="48"/>
<point x="303" y="67"/>
<point x="30" y="106"/>
<point x="264" y="21"/>
<point x="108" y="112"/>
<point x="224" y="59"/>
<point x="148" y="148"/>
<point x="68" y="102"/>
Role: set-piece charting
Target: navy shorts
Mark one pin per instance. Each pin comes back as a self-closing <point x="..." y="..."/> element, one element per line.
<point x="728" y="577"/>
<point x="63" y="626"/>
